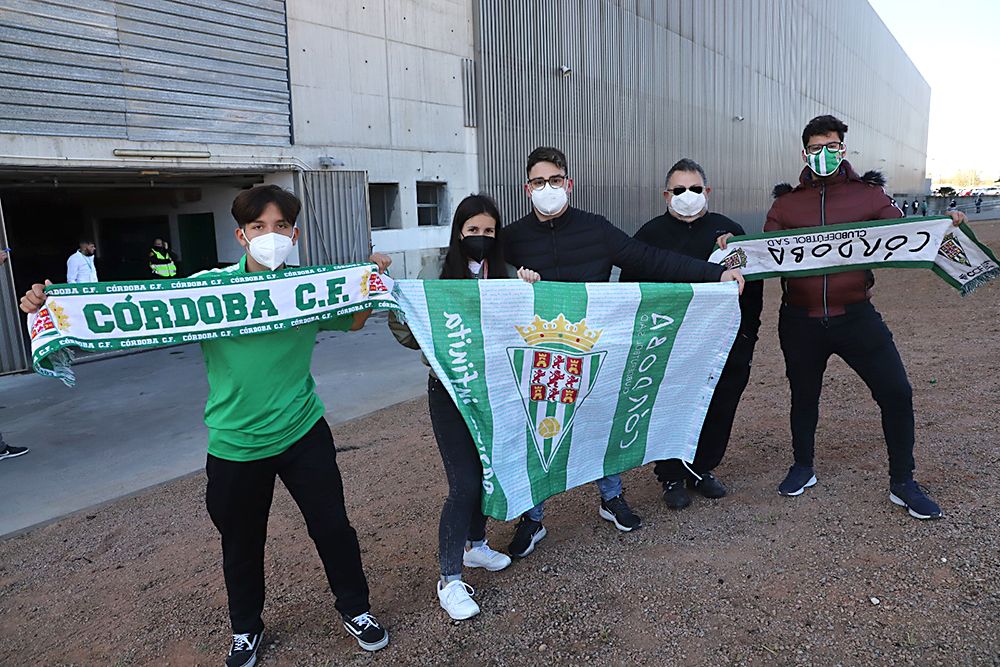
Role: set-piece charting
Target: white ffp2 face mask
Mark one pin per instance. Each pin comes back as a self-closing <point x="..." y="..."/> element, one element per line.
<point x="688" y="203"/>
<point x="271" y="249"/>
<point x="549" y="200"/>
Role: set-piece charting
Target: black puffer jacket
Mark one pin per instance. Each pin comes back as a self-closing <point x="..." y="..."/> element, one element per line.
<point x="697" y="239"/>
<point x="582" y="247"/>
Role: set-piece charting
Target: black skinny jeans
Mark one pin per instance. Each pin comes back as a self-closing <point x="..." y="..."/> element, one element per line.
<point x="718" y="424"/>
<point x="862" y="339"/>
<point x="239" y="501"/>
<point x="462" y="517"/>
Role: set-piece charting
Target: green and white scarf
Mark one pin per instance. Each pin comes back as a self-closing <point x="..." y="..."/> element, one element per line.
<point x="102" y="317"/>
<point x="559" y="383"/>
<point x="563" y="383"/>
<point x="935" y="243"/>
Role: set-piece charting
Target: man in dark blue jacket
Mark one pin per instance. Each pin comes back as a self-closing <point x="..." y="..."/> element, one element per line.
<point x="563" y="243"/>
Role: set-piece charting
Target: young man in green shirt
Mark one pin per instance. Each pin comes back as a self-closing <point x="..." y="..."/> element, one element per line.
<point x="264" y="421"/>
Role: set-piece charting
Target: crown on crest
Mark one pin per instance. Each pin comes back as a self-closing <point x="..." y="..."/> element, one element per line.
<point x="364" y="284"/>
<point x="59" y="313"/>
<point x="560" y="330"/>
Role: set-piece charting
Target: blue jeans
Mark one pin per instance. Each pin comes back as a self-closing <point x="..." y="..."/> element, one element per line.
<point x="610" y="487"/>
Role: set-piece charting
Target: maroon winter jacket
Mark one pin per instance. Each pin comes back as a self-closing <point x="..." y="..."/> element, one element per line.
<point x="815" y="202"/>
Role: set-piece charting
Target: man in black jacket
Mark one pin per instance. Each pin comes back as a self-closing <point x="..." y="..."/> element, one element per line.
<point x="690" y="229"/>
<point x="563" y="243"/>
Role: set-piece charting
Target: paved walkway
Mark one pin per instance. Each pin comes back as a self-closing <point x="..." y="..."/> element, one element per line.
<point x="135" y="421"/>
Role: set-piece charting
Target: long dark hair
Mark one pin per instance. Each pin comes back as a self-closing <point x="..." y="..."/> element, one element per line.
<point x="456" y="264"/>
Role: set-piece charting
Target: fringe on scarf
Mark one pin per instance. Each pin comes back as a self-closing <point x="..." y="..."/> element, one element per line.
<point x="400" y="314"/>
<point x="977" y="282"/>
<point x="59" y="365"/>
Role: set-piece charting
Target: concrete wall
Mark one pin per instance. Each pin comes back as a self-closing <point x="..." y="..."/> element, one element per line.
<point x="377" y="84"/>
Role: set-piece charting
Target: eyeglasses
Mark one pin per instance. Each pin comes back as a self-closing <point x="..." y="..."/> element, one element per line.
<point x="816" y="149"/>
<point x="556" y="181"/>
<point x="680" y="189"/>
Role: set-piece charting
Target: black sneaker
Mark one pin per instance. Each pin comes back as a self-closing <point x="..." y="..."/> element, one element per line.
<point x="914" y="498"/>
<point x="619" y="513"/>
<point x="710" y="486"/>
<point x="798" y="479"/>
<point x="10" y="452"/>
<point x="526" y="536"/>
<point x="370" y="635"/>
<point x="244" y="650"/>
<point x="675" y="494"/>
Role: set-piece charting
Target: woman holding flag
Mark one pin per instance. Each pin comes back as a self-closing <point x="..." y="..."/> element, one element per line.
<point x="474" y="252"/>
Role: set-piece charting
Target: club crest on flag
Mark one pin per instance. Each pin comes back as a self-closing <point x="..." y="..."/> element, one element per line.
<point x="952" y="249"/>
<point x="554" y="373"/>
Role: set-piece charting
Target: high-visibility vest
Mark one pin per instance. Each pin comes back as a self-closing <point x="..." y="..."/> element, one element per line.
<point x="165" y="270"/>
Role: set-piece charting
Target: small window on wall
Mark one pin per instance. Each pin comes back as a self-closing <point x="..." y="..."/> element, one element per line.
<point x="430" y="204"/>
<point x="383" y="200"/>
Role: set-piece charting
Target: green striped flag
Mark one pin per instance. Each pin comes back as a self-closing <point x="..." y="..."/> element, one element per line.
<point x="564" y="383"/>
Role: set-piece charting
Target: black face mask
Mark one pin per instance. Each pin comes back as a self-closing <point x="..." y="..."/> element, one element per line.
<point x="477" y="248"/>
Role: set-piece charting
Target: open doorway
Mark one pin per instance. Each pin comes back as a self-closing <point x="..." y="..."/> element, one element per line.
<point x="125" y="244"/>
<point x="198" y="249"/>
<point x="43" y="230"/>
<point x="47" y="211"/>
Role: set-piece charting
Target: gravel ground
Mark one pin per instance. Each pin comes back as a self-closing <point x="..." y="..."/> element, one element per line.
<point x="838" y="576"/>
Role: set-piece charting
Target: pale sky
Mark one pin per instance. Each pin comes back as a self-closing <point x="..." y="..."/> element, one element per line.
<point x="956" y="46"/>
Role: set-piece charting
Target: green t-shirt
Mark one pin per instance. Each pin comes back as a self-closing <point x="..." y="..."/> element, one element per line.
<point x="261" y="395"/>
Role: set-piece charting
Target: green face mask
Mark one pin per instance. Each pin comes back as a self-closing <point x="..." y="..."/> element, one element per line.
<point x="825" y="162"/>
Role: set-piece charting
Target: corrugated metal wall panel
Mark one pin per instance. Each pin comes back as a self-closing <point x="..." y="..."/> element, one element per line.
<point x="469" y="111"/>
<point x="335" y="223"/>
<point x="653" y="84"/>
<point x="13" y="356"/>
<point x="206" y="71"/>
<point x="62" y="72"/>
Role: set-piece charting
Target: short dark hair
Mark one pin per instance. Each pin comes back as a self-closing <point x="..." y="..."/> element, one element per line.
<point x="686" y="164"/>
<point x="249" y="204"/>
<point x="547" y="154"/>
<point x="823" y="125"/>
<point x="85" y="239"/>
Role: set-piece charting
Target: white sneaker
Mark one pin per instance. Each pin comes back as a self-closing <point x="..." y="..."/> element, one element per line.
<point x="483" y="556"/>
<point x="456" y="599"/>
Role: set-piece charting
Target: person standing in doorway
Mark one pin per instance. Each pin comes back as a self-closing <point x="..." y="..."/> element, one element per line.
<point x="161" y="261"/>
<point x="80" y="265"/>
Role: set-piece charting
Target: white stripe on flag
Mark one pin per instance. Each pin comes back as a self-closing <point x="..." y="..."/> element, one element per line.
<point x="710" y="315"/>
<point x="513" y="303"/>
<point x="614" y="314"/>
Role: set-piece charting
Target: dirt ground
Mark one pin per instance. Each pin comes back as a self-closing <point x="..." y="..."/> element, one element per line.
<point x="838" y="576"/>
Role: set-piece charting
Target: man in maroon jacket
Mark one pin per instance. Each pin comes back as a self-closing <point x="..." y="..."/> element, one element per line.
<point x="832" y="314"/>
